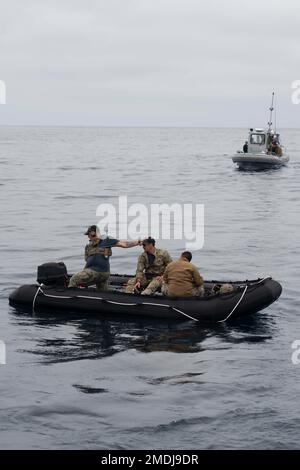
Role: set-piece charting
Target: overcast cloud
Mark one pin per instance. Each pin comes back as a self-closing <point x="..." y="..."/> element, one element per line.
<point x="149" y="62"/>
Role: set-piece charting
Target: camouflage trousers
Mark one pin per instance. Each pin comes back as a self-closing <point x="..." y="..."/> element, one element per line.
<point x="197" y="291"/>
<point x="88" y="277"/>
<point x="148" y="286"/>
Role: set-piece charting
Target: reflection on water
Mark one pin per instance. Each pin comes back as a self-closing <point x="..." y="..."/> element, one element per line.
<point x="89" y="390"/>
<point x="254" y="169"/>
<point x="97" y="338"/>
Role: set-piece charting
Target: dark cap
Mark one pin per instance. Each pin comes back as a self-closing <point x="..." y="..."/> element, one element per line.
<point x="92" y="228"/>
<point x="148" y="241"/>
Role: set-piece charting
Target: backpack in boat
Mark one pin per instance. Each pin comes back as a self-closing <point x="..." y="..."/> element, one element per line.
<point x="222" y="289"/>
<point x="52" y="274"/>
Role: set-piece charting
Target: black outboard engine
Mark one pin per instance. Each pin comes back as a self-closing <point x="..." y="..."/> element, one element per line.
<point x="53" y="274"/>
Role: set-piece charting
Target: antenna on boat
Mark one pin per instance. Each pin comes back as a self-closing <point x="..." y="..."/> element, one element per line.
<point x="271" y="112"/>
<point x="275" y="106"/>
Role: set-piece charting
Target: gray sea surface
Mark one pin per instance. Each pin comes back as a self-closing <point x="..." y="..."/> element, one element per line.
<point x="98" y="383"/>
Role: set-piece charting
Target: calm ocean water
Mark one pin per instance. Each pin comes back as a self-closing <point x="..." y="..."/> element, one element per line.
<point x="100" y="384"/>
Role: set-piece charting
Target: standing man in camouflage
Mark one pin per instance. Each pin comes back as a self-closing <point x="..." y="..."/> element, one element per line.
<point x="150" y="269"/>
<point x="97" y="254"/>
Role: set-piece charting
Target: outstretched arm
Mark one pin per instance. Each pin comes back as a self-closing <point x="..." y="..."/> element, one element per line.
<point x="128" y="244"/>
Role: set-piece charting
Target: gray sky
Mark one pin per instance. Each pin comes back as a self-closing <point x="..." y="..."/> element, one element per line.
<point x="149" y="62"/>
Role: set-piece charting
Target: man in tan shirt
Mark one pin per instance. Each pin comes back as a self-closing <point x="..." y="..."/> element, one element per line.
<point x="182" y="279"/>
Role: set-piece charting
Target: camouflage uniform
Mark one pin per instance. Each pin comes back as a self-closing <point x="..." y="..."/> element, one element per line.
<point x="147" y="273"/>
<point x="93" y="248"/>
<point x="197" y="291"/>
<point x="88" y="275"/>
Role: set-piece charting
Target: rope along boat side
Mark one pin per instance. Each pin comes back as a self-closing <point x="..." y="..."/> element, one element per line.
<point x="247" y="298"/>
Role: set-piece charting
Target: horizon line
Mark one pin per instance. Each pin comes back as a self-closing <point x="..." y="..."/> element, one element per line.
<point x="134" y="126"/>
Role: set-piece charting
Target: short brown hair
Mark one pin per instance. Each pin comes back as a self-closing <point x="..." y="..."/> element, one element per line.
<point x="187" y="255"/>
<point x="148" y="241"/>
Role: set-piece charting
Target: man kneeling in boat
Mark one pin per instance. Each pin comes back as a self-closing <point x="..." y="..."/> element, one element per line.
<point x="150" y="269"/>
<point x="182" y="278"/>
<point x="97" y="254"/>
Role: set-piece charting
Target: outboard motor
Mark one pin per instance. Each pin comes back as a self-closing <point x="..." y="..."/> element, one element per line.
<point x="53" y="274"/>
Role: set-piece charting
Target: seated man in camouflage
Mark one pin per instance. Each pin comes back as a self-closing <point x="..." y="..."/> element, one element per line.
<point x="97" y="253"/>
<point x="150" y="269"/>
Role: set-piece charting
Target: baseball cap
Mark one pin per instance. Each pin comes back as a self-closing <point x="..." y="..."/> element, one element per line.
<point x="91" y="228"/>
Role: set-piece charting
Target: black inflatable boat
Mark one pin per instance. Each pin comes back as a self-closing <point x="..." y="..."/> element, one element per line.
<point x="246" y="298"/>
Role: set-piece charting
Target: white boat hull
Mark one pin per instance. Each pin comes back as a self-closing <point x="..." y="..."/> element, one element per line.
<point x="259" y="161"/>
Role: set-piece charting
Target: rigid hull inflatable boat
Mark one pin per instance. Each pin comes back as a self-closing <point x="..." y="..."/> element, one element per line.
<point x="263" y="150"/>
<point x="259" y="161"/>
<point x="246" y="298"/>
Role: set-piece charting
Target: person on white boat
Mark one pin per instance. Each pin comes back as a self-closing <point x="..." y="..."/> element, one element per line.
<point x="275" y="149"/>
<point x="245" y="147"/>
